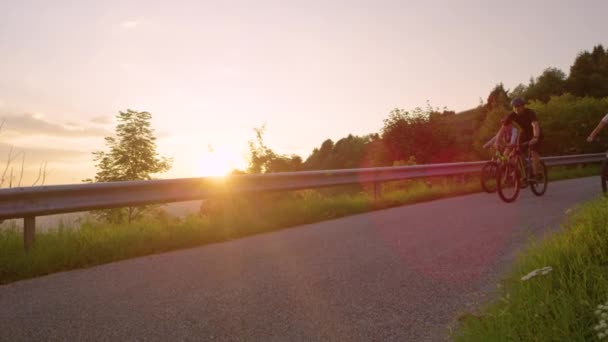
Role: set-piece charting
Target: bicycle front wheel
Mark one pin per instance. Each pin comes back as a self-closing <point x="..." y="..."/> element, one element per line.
<point x="489" y="172"/>
<point x="539" y="185"/>
<point x="508" y="182"/>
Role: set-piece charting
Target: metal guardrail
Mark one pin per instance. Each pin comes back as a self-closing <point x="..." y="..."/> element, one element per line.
<point x="29" y="202"/>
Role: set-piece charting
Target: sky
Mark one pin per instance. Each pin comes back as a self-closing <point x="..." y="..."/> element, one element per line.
<point x="211" y="71"/>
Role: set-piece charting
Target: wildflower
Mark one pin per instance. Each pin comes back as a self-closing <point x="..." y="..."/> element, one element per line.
<point x="540" y="271"/>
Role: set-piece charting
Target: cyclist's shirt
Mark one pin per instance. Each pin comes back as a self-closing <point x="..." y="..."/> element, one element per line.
<point x="510" y="134"/>
<point x="524" y="121"/>
<point x="509" y="137"/>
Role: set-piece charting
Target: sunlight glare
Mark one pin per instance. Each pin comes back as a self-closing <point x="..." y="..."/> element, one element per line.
<point x="216" y="163"/>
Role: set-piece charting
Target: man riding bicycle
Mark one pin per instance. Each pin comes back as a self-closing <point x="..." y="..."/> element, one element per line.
<point x="509" y="138"/>
<point x="530" y="131"/>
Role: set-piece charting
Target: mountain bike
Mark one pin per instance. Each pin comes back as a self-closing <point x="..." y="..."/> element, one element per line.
<point x="604" y="175"/>
<point x="517" y="172"/>
<point x="489" y="171"/>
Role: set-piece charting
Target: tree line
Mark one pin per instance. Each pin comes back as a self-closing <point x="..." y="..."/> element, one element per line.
<point x="568" y="106"/>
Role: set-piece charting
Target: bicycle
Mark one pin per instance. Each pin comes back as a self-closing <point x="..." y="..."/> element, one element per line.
<point x="489" y="171"/>
<point x="517" y="173"/>
<point x="604" y="175"/>
<point x="604" y="171"/>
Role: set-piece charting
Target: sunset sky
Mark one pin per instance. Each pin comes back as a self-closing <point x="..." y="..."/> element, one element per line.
<point x="209" y="72"/>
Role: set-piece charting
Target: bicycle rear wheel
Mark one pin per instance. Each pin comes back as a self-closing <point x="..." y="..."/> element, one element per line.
<point x="539" y="186"/>
<point x="489" y="172"/>
<point x="508" y="182"/>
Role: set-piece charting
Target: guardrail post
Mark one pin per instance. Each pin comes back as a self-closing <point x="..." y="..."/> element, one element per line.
<point x="29" y="231"/>
<point x="377" y="190"/>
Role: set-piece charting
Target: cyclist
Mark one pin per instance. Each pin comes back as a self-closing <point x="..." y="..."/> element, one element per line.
<point x="509" y="138"/>
<point x="603" y="122"/>
<point x="530" y="131"/>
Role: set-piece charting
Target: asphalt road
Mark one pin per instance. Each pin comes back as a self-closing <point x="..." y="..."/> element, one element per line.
<point x="402" y="274"/>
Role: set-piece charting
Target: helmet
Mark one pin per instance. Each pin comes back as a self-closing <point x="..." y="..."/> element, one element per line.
<point x="518" y="101"/>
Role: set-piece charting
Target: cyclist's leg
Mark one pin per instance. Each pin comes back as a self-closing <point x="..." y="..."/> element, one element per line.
<point x="534" y="151"/>
<point x="521" y="166"/>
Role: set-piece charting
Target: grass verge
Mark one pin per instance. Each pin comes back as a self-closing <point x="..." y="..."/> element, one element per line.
<point x="224" y="219"/>
<point x="561" y="304"/>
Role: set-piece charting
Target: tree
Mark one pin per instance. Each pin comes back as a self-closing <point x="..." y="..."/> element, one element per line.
<point x="498" y="98"/>
<point x="132" y="156"/>
<point x="423" y="134"/>
<point x="488" y="129"/>
<point x="552" y="82"/>
<point x="259" y="154"/>
<point x="376" y="153"/>
<point x="519" y="91"/>
<point x="589" y="74"/>
<point x="262" y="159"/>
<point x="350" y="152"/>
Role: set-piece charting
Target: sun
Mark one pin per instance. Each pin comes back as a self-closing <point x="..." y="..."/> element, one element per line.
<point x="215" y="164"/>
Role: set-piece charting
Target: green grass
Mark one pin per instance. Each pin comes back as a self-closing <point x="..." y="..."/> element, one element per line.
<point x="558" y="306"/>
<point x="224" y="219"/>
<point x="575" y="171"/>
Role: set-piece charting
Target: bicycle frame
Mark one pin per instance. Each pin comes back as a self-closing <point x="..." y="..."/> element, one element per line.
<point x="518" y="172"/>
<point x="522" y="159"/>
<point x="499" y="157"/>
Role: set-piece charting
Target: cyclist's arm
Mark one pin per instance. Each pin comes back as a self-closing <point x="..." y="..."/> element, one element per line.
<point x="536" y="129"/>
<point x="499" y="135"/>
<point x="490" y="142"/>
<point x="514" y="133"/>
<point x="598" y="128"/>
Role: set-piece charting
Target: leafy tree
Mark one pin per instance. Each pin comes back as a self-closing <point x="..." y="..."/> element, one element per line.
<point x="552" y="82"/>
<point x="132" y="156"/>
<point x="419" y="133"/>
<point x="405" y="134"/>
<point x="519" y="91"/>
<point x="589" y="74"/>
<point x="320" y="158"/>
<point x="567" y="120"/>
<point x="488" y="129"/>
<point x="498" y="98"/>
<point x="350" y="152"/>
<point x="259" y="153"/>
<point x="262" y="159"/>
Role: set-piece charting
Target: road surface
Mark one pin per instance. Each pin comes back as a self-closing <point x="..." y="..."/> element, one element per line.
<point x="401" y="274"/>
